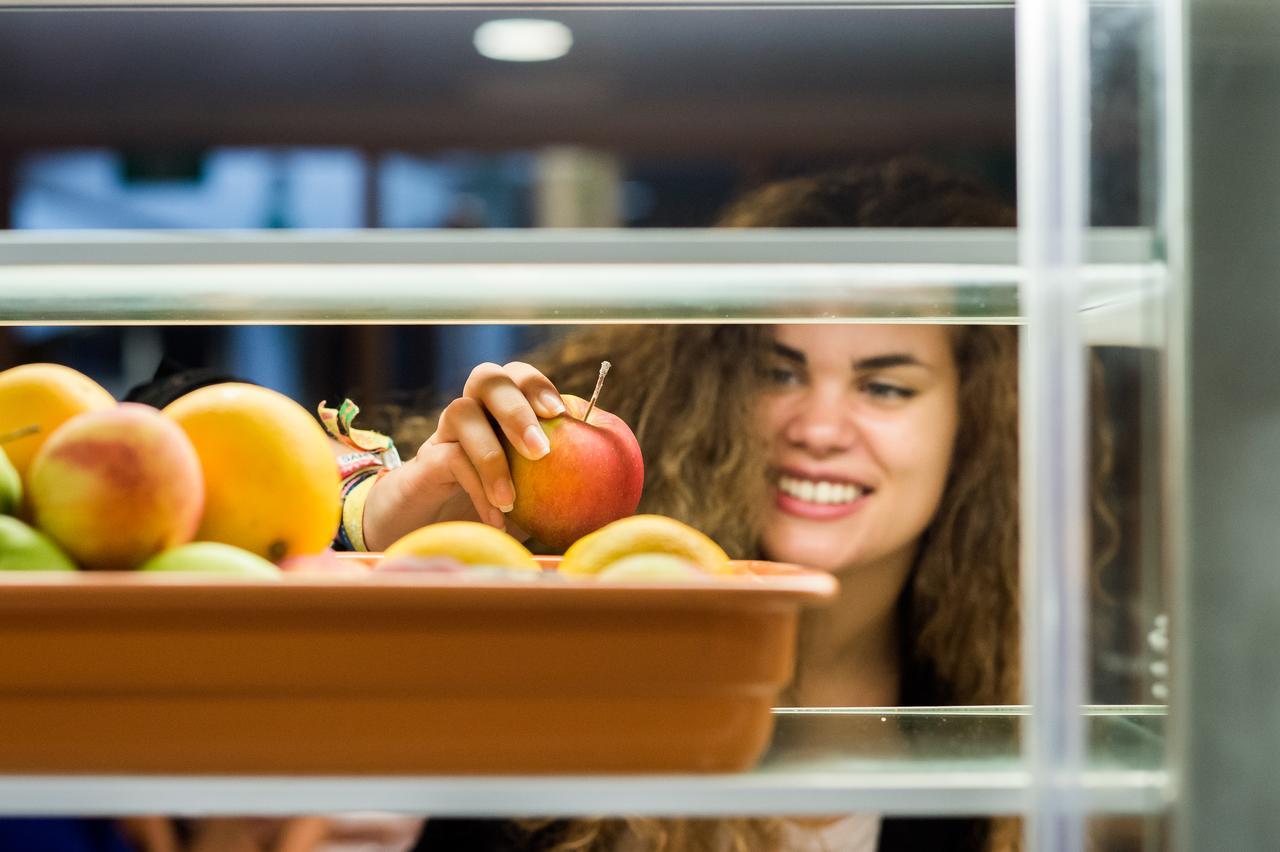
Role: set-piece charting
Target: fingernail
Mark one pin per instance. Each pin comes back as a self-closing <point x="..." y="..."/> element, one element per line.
<point x="552" y="403"/>
<point x="535" y="440"/>
<point x="504" y="494"/>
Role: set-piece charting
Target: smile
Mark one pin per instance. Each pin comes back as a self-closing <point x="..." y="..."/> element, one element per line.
<point x="821" y="492"/>
<point x="816" y="499"/>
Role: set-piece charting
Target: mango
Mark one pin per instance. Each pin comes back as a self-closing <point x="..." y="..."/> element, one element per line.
<point x="651" y="567"/>
<point x="638" y="534"/>
<point x="270" y="477"/>
<point x="10" y="486"/>
<point x="35" y="399"/>
<point x="468" y="542"/>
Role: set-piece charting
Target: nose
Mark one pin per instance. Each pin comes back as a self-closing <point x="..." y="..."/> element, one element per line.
<point x="822" y="423"/>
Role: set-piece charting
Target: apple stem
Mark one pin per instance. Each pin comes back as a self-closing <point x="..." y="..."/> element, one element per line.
<point x="595" y="394"/>
<point x="19" y="433"/>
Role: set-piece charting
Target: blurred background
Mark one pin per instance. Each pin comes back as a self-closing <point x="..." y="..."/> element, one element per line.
<point x="418" y="119"/>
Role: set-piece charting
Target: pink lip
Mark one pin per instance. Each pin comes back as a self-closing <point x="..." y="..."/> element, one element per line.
<point x="816" y="511"/>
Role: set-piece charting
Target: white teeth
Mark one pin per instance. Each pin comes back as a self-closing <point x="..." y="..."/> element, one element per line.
<point x="818" y="491"/>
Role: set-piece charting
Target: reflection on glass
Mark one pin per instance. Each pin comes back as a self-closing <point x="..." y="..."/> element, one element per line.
<point x="987" y="738"/>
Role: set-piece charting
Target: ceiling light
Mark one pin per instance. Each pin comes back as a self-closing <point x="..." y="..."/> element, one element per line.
<point x="523" y="40"/>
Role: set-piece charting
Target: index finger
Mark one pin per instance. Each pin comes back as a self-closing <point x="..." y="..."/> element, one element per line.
<point x="497" y="392"/>
<point x="537" y="388"/>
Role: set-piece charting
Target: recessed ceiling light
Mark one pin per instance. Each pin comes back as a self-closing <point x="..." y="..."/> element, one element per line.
<point x="523" y="40"/>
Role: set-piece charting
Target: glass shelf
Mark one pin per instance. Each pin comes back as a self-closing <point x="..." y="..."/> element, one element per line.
<point x="943" y="761"/>
<point x="499" y="4"/>
<point x="542" y="276"/>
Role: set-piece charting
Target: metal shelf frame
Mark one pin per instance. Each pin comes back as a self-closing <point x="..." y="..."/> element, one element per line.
<point x="868" y="770"/>
<point x="950" y="793"/>
<point x="548" y="276"/>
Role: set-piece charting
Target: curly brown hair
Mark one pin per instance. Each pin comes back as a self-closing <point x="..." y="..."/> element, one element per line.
<point x="904" y="192"/>
<point x="689" y="392"/>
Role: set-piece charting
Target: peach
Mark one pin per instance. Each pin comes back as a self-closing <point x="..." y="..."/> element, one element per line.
<point x="115" y="487"/>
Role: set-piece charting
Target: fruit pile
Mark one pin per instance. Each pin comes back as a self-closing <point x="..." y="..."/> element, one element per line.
<point x="230" y="478"/>
<point x="239" y="480"/>
<point x="638" y="548"/>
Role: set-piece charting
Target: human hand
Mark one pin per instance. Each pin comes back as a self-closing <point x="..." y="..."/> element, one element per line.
<point x="461" y="472"/>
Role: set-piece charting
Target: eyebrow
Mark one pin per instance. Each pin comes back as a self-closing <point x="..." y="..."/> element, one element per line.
<point x="876" y="362"/>
<point x="884" y="362"/>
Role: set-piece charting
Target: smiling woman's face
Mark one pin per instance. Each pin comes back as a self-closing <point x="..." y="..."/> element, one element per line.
<point x="861" y="423"/>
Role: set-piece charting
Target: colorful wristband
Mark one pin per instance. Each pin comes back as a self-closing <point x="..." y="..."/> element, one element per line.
<point x="353" y="510"/>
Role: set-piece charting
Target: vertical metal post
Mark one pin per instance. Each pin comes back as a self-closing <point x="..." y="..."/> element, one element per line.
<point x="1172" y="230"/>
<point x="1052" y="87"/>
<point x="1232" y="733"/>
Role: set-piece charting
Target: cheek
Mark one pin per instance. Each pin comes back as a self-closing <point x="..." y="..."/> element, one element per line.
<point x="933" y="475"/>
<point x="921" y="454"/>
<point x="771" y="415"/>
<point x="935" y="462"/>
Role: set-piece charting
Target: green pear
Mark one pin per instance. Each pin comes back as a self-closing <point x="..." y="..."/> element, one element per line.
<point x="212" y="557"/>
<point x="10" y="486"/>
<point x="24" y="548"/>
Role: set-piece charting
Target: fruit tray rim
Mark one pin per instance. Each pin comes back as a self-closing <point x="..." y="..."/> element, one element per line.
<point x="755" y="577"/>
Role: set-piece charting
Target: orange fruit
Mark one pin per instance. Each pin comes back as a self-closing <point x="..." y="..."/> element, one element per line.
<point x="43" y="396"/>
<point x="270" y="477"/>
<point x="637" y="534"/>
<point x="467" y="541"/>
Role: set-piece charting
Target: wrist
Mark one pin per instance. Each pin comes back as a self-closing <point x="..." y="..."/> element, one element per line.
<point x="354" y="502"/>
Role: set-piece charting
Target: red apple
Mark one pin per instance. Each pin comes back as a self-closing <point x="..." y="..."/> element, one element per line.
<point x="591" y="477"/>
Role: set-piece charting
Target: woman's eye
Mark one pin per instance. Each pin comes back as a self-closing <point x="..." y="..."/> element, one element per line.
<point x="783" y="376"/>
<point x="887" y="391"/>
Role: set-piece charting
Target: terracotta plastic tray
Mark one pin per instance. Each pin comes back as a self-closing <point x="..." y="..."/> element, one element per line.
<point x="393" y="673"/>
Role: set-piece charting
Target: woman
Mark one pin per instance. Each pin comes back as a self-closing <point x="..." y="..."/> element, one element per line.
<point x="886" y="454"/>
<point x="911" y="427"/>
